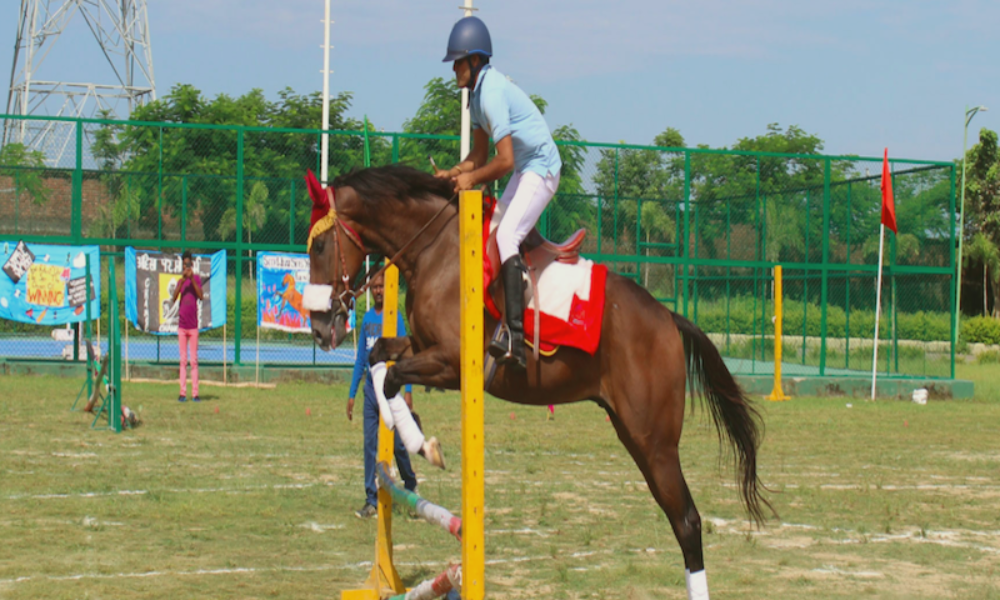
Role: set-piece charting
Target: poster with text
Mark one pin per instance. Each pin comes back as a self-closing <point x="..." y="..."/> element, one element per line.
<point x="46" y="284"/>
<point x="151" y="279"/>
<point x="281" y="279"/>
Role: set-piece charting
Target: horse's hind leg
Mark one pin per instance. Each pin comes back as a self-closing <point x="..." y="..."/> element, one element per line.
<point x="652" y="439"/>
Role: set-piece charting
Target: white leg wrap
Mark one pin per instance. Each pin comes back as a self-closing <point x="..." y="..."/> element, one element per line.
<point x="378" y="371"/>
<point x="697" y="584"/>
<point x="395" y="413"/>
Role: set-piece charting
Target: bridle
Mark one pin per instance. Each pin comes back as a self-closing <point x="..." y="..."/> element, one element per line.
<point x="348" y="296"/>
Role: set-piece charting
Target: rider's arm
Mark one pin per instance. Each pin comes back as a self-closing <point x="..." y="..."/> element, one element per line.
<point x="500" y="165"/>
<point x="477" y="156"/>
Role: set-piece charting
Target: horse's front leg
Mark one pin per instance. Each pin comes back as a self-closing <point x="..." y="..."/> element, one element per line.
<point x="394" y="348"/>
<point x="434" y="367"/>
<point x="388" y="382"/>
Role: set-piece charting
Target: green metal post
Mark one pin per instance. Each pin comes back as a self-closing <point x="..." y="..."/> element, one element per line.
<point x="159" y="189"/>
<point x="729" y="256"/>
<point x="291" y="213"/>
<point x="88" y="316"/>
<point x="600" y="218"/>
<point x="76" y="227"/>
<point x="677" y="242"/>
<point x="805" y="282"/>
<point x="184" y="206"/>
<point x="614" y="236"/>
<point x="237" y="317"/>
<point x="758" y="241"/>
<point x="395" y="149"/>
<point x="694" y="268"/>
<point x="368" y="152"/>
<point x="892" y="296"/>
<point x="951" y="263"/>
<point x="762" y="255"/>
<point x="847" y="285"/>
<point x="638" y="231"/>
<point x="687" y="229"/>
<point x="825" y="267"/>
<point x="128" y="188"/>
<point x="114" y="347"/>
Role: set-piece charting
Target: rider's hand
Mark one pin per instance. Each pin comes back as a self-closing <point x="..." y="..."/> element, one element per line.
<point x="443" y="174"/>
<point x="463" y="182"/>
<point x="350" y="409"/>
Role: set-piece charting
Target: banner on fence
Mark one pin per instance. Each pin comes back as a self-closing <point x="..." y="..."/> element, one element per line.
<point x="281" y="278"/>
<point x="150" y="280"/>
<point x="46" y="284"/>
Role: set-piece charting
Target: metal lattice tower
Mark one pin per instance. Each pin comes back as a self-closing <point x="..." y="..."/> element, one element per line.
<point x="121" y="30"/>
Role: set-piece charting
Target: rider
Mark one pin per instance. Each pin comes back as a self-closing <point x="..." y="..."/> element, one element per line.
<point x="503" y="111"/>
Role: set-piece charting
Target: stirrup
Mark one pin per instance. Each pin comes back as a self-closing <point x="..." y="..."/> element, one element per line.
<point x="499" y="347"/>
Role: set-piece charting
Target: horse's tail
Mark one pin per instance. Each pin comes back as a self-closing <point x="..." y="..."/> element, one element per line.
<point x="732" y="411"/>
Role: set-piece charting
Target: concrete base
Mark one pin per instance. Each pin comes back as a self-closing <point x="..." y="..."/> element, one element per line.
<point x="858" y="387"/>
<point x="757" y="385"/>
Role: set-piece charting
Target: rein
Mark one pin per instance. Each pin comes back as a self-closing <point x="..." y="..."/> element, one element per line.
<point x="369" y="276"/>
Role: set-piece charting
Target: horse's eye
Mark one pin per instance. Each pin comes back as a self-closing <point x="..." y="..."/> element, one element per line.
<point x="318" y="246"/>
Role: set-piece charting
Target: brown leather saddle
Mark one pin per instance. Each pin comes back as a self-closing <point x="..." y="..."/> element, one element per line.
<point x="538" y="251"/>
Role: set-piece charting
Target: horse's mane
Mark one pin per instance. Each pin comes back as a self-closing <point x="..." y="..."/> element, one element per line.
<point x="378" y="185"/>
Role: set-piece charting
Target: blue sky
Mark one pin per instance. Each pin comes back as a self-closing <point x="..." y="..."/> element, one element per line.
<point x="862" y="75"/>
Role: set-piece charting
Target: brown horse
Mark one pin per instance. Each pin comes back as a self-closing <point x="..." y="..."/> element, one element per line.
<point x="638" y="373"/>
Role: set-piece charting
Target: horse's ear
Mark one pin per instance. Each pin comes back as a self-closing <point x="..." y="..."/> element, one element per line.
<point x="316" y="191"/>
<point x="320" y="197"/>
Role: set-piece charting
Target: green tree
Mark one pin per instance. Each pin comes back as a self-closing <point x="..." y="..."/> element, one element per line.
<point x="572" y="208"/>
<point x="982" y="188"/>
<point x="985" y="253"/>
<point x="647" y="186"/>
<point x="982" y="199"/>
<point x="121" y="206"/>
<point x="198" y="166"/>
<point x="26" y="168"/>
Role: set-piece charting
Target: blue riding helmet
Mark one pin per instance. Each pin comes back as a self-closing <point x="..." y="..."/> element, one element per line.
<point x="469" y="36"/>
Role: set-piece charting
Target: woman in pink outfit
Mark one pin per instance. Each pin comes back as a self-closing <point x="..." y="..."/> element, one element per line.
<point x="190" y="294"/>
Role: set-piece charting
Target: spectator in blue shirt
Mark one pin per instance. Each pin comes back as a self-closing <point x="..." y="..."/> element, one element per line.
<point x="371" y="331"/>
<point x="524" y="148"/>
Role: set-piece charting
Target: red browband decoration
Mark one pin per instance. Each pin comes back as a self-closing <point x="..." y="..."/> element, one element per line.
<point x="324" y="205"/>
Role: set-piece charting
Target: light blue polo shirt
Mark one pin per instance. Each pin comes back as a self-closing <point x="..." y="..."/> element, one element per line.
<point x="501" y="108"/>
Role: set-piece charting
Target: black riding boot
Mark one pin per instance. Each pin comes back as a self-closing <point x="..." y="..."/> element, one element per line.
<point x="509" y="349"/>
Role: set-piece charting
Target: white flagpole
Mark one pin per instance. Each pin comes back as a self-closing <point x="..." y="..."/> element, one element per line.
<point x="325" y="137"/>
<point x="878" y="306"/>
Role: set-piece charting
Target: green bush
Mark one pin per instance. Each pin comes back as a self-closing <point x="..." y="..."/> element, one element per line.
<point x="748" y="317"/>
<point x="981" y="330"/>
<point x="990" y="357"/>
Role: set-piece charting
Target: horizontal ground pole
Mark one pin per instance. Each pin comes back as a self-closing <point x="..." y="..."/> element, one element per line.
<point x="450" y="579"/>
<point x="426" y="510"/>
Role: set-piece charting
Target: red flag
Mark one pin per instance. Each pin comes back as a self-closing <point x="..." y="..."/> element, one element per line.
<point x="888" y="205"/>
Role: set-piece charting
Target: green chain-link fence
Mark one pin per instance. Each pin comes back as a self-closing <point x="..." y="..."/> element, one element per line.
<point x="700" y="229"/>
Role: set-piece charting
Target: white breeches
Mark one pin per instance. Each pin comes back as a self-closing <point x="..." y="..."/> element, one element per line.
<point x="395" y="413"/>
<point x="524" y="200"/>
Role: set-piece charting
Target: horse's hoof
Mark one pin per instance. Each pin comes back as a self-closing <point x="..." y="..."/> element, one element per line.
<point x="433" y="453"/>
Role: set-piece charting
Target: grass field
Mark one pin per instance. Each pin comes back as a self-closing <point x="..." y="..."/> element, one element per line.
<point x="246" y="496"/>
